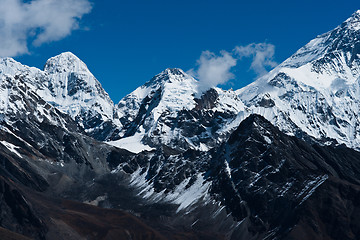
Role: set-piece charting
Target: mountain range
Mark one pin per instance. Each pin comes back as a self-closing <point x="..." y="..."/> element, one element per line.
<point x="277" y="159"/>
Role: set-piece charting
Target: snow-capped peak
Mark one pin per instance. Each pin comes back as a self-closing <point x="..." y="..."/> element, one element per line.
<point x="74" y="90"/>
<point x="67" y="84"/>
<point x="10" y="67"/>
<point x="344" y="39"/>
<point x="168" y="75"/>
<point x="354" y="20"/>
<point x="171" y="90"/>
<point x="65" y="62"/>
<point x="317" y="89"/>
<point x="166" y="111"/>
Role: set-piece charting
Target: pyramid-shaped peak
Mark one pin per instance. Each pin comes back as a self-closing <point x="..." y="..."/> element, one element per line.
<point x="174" y="71"/>
<point x="169" y="75"/>
<point x="353" y="21"/>
<point x="65" y="62"/>
<point x="356" y="14"/>
<point x="344" y="38"/>
<point x="171" y="72"/>
<point x="12" y="64"/>
<point x="7" y="60"/>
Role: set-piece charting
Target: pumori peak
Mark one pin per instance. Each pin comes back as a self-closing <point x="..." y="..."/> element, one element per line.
<point x="65" y="62"/>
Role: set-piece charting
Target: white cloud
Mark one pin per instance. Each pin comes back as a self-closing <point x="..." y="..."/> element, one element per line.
<point x="262" y="56"/>
<point x="214" y="70"/>
<point x="37" y="22"/>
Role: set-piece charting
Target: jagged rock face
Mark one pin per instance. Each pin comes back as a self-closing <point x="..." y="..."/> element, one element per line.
<point x="17" y="215"/>
<point x="19" y="102"/>
<point x="37" y="138"/>
<point x="266" y="177"/>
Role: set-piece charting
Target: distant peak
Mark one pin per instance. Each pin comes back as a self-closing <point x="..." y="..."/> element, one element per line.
<point x="355" y="18"/>
<point x="344" y="37"/>
<point x="171" y="72"/>
<point x="8" y="59"/>
<point x="65" y="62"/>
<point x="174" y="71"/>
<point x="353" y="22"/>
<point x="168" y="75"/>
<point x="66" y="56"/>
<point x="356" y="14"/>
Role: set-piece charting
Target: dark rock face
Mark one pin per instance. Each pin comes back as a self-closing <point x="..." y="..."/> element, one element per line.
<point x="17" y="214"/>
<point x="267" y="177"/>
<point x="273" y="185"/>
<point x="147" y="105"/>
<point x="207" y="100"/>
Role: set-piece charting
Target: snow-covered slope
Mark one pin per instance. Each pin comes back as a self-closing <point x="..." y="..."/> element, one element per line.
<point x="19" y="99"/>
<point x="317" y="90"/>
<point x="74" y="90"/>
<point x="67" y="84"/>
<point x="165" y="112"/>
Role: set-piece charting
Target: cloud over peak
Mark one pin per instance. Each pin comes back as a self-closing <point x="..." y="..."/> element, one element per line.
<point x="36" y="22"/>
<point x="213" y="69"/>
<point x="262" y="56"/>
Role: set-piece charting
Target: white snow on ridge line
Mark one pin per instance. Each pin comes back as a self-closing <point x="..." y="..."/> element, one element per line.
<point x="187" y="197"/>
<point x="182" y="196"/>
<point x="62" y="73"/>
<point x="312" y="185"/>
<point x="132" y="144"/>
<point x="11" y="147"/>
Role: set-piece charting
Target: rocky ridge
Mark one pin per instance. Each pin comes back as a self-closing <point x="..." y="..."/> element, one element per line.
<point x="231" y="159"/>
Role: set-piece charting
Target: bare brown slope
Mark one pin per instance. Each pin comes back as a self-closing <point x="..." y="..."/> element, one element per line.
<point x="72" y="220"/>
<point x="9" y="235"/>
<point x="40" y="216"/>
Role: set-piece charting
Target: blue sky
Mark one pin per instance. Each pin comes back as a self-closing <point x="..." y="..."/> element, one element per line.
<point x="125" y="43"/>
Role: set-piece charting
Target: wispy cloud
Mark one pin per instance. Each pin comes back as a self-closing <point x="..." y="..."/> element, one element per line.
<point x="37" y="22"/>
<point x="262" y="55"/>
<point x="213" y="69"/>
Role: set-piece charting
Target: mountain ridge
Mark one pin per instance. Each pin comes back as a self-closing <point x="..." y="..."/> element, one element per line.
<point x="272" y="160"/>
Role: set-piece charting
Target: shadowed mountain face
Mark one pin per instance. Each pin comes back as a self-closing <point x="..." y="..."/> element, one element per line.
<point x="269" y="180"/>
<point x="40" y="216"/>
<point x="277" y="159"/>
<point x="37" y="177"/>
<point x="274" y="186"/>
<point x="45" y="158"/>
